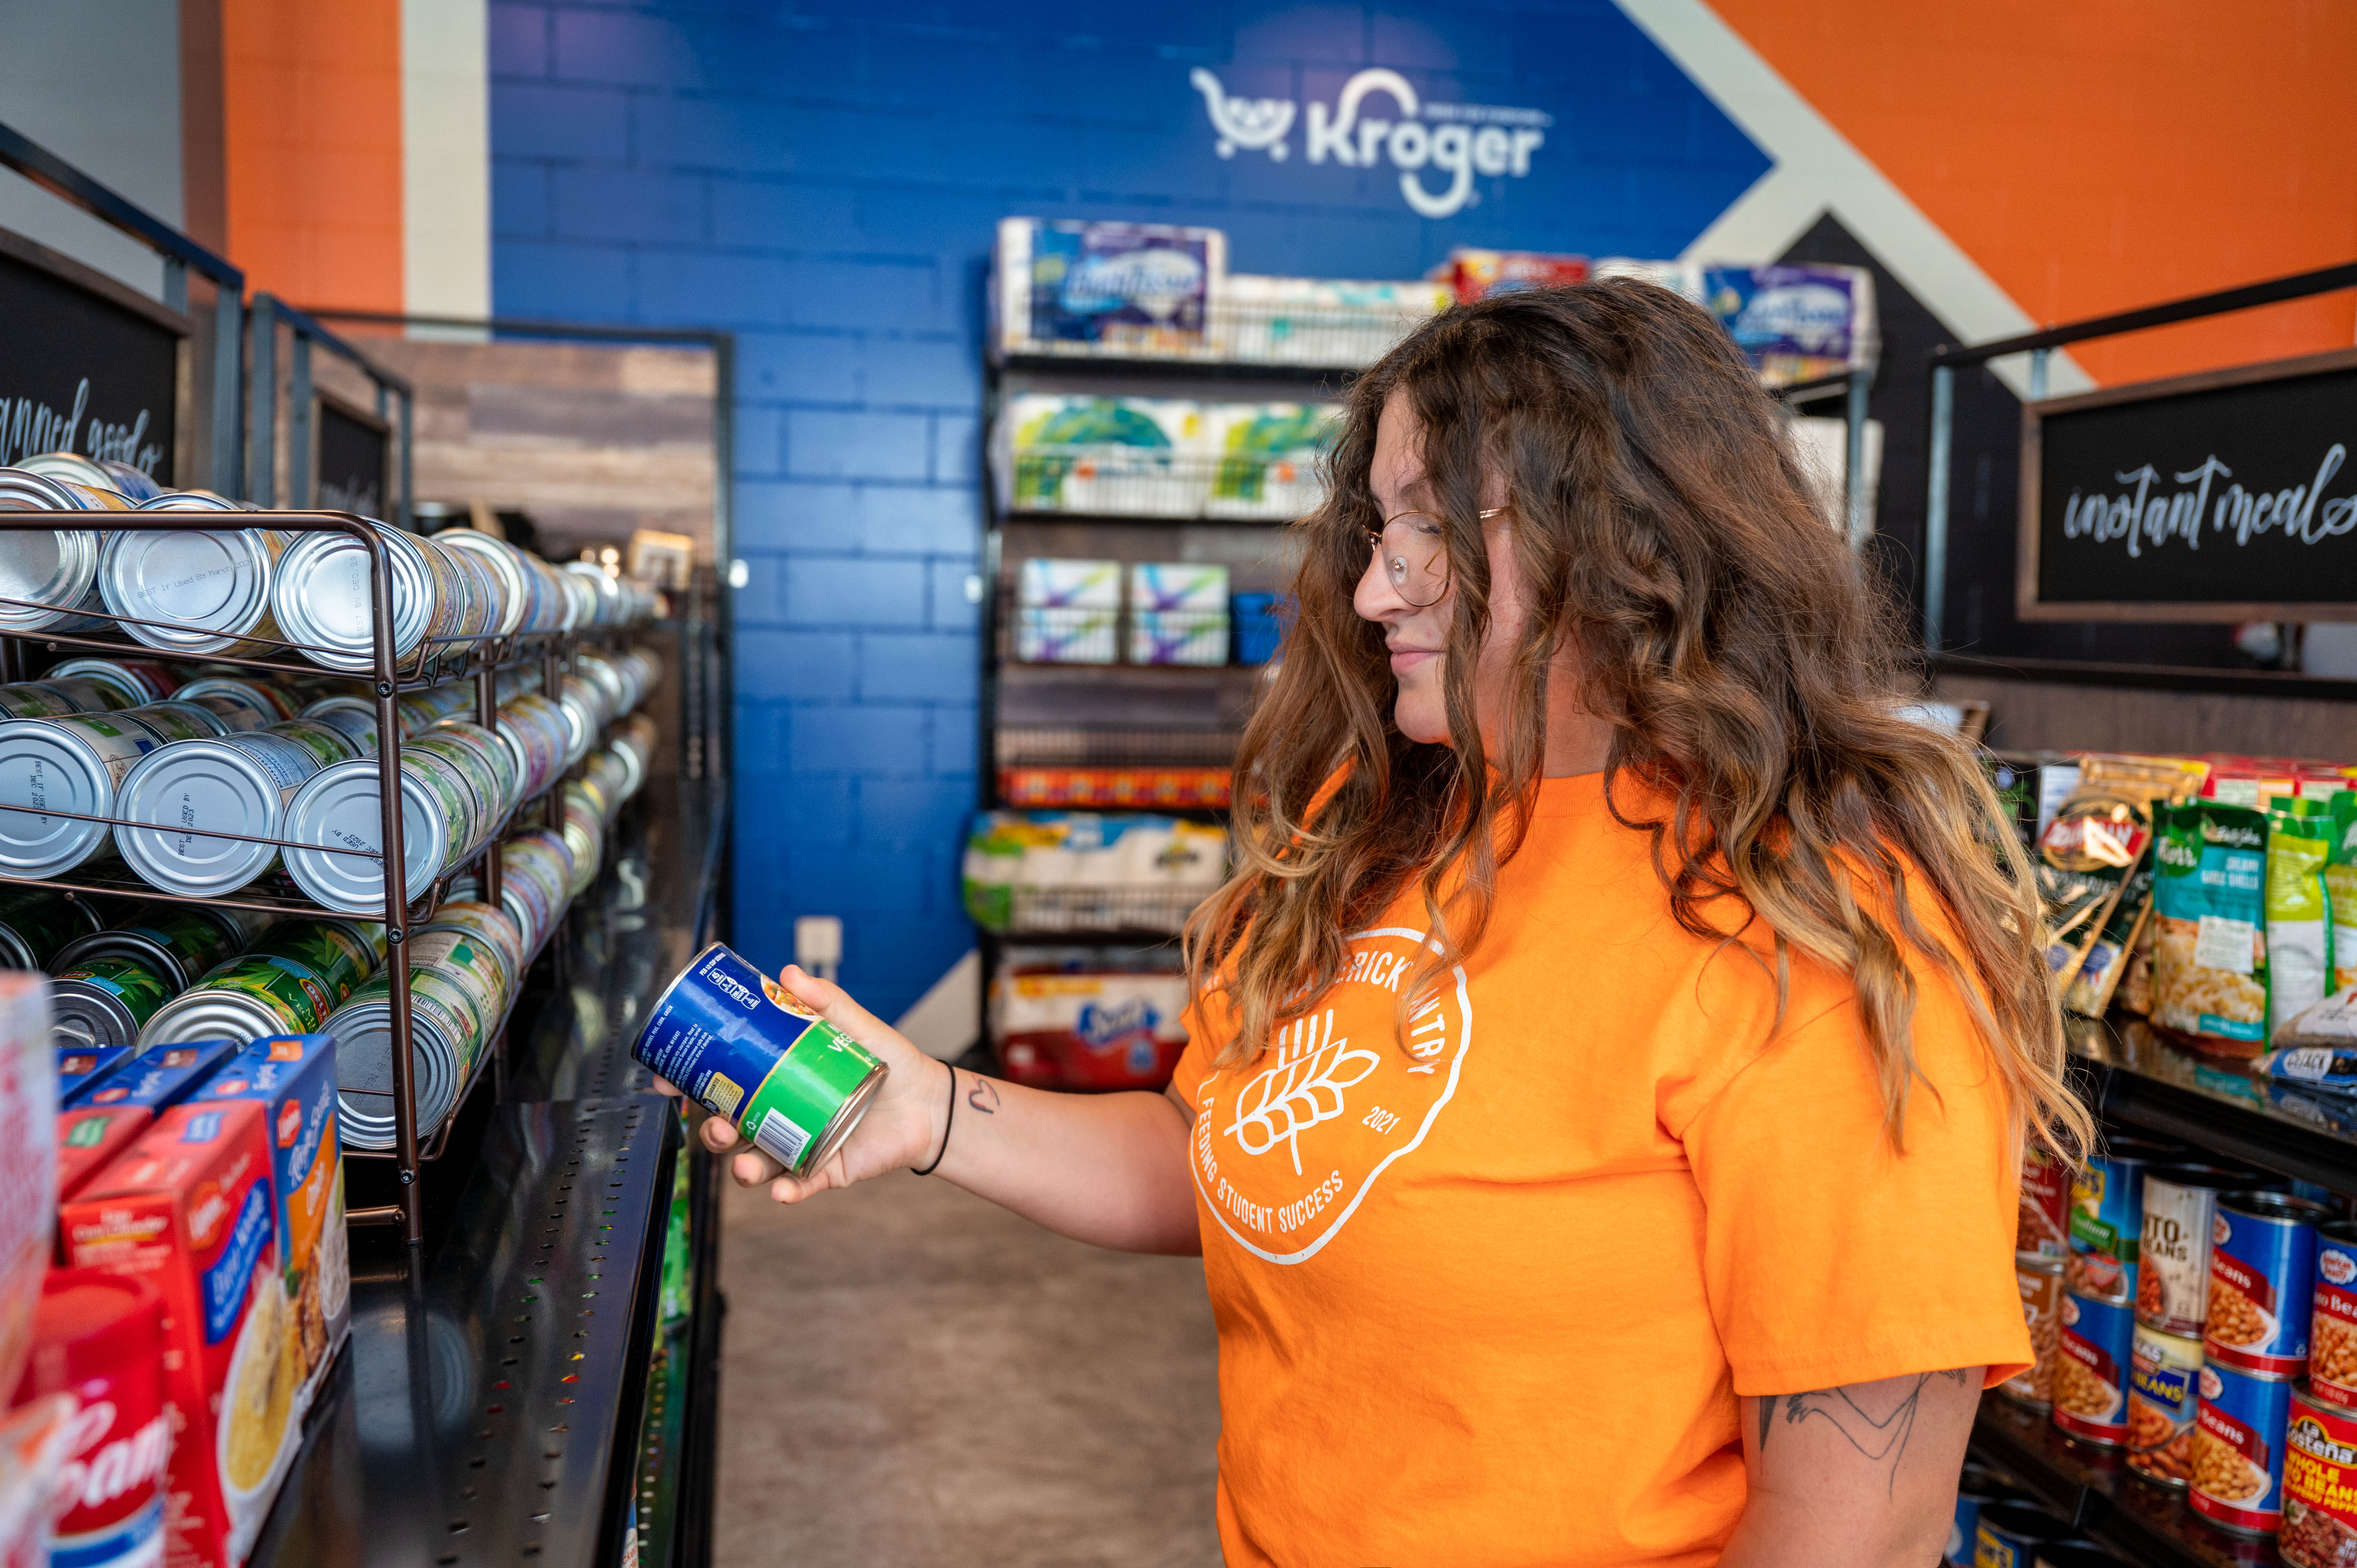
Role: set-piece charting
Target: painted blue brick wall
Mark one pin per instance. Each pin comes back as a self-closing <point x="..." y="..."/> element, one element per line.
<point x="823" y="178"/>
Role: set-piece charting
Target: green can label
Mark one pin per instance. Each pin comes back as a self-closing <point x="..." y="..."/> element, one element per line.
<point x="288" y="988"/>
<point x="139" y="988"/>
<point x="328" y="953"/>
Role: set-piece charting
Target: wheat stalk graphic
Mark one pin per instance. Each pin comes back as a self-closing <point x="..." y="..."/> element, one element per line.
<point x="1302" y="1089"/>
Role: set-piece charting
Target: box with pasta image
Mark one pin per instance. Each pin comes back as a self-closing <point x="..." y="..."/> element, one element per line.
<point x="191" y="1208"/>
<point x="293" y="1078"/>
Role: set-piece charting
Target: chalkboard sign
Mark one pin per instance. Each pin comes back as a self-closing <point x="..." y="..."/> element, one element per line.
<point x="86" y="364"/>
<point x="2228" y="496"/>
<point x="351" y="458"/>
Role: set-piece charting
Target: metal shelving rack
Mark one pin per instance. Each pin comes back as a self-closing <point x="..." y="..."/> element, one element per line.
<point x="1102" y="923"/>
<point x="437" y="661"/>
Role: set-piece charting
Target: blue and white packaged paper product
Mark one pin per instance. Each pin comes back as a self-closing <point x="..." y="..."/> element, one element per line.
<point x="1795" y="321"/>
<point x="1264" y="457"/>
<point x="1117" y="288"/>
<point x="1178" y="586"/>
<point x="1178" y="636"/>
<point x="1320" y="321"/>
<point x="1048" y="583"/>
<point x="1122" y="457"/>
<point x="1082" y="635"/>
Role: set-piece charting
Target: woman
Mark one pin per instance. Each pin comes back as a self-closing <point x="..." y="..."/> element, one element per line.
<point x="1611" y="1058"/>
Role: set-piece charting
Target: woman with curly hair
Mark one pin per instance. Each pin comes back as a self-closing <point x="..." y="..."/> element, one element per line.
<point x="1610" y="1060"/>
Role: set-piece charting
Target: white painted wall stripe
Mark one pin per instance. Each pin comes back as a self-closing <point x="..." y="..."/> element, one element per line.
<point x="446" y="168"/>
<point x="1817" y="169"/>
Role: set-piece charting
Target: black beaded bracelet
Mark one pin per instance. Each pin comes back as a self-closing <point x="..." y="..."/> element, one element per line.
<point x="947" y="1121"/>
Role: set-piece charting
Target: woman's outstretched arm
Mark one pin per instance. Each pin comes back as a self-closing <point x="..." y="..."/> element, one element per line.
<point x="1109" y="1169"/>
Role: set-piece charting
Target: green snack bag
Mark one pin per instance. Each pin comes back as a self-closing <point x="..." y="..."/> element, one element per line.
<point x="2210" y="954"/>
<point x="2341" y="890"/>
<point x="2299" y="838"/>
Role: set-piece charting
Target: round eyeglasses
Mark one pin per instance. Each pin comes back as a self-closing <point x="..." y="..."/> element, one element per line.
<point x="1413" y="548"/>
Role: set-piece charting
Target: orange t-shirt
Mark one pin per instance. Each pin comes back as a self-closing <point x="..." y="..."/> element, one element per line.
<point x="1486" y="1299"/>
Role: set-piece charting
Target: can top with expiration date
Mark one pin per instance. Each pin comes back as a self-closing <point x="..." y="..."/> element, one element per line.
<point x="735" y="1042"/>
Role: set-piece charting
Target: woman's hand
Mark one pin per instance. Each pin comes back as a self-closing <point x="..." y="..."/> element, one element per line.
<point x="904" y="1122"/>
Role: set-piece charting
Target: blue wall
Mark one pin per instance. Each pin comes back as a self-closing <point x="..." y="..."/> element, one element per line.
<point x="824" y="179"/>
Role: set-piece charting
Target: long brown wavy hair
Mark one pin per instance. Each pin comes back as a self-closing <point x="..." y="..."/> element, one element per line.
<point x="1748" y="669"/>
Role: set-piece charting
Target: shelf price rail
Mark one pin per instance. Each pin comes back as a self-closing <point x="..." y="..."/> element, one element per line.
<point x="435" y="660"/>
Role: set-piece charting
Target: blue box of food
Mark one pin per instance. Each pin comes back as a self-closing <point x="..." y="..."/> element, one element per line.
<point x="157" y="1076"/>
<point x="79" y="1067"/>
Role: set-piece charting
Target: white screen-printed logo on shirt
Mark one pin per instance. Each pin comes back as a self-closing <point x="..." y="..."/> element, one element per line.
<point x="1286" y="1147"/>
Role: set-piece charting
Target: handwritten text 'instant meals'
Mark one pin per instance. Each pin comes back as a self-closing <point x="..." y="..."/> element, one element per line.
<point x="2144" y="519"/>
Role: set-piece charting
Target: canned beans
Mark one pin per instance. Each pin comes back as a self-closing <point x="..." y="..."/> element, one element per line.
<point x="2164" y="1390"/>
<point x="2332" y="1330"/>
<point x="2045" y="1204"/>
<point x="2181" y="1207"/>
<point x="2039" y="1278"/>
<point x="2262" y="1281"/>
<point x="2090" y="1369"/>
<point x="2319" y="1510"/>
<point x="2238" y="1451"/>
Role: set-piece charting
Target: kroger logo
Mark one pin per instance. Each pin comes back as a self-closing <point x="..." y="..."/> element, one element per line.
<point x="1457" y="140"/>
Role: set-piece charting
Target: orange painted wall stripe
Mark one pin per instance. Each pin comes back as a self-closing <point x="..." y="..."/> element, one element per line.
<point x="312" y="107"/>
<point x="2096" y="157"/>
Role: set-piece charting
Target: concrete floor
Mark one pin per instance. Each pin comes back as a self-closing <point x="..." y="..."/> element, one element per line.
<point x="912" y="1377"/>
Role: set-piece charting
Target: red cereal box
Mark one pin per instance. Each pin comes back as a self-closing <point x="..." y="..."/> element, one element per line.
<point x="100" y="1338"/>
<point x="189" y="1208"/>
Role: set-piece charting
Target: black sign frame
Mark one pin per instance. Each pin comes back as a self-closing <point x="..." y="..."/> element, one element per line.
<point x="328" y="409"/>
<point x="110" y="295"/>
<point x="2028" y="604"/>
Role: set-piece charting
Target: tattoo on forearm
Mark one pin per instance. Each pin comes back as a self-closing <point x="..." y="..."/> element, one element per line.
<point x="984" y="1096"/>
<point x="1878" y="1435"/>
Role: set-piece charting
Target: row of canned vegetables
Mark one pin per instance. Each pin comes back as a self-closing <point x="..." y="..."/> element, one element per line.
<point x="247" y="590"/>
<point x="125" y="976"/>
<point x="200" y="773"/>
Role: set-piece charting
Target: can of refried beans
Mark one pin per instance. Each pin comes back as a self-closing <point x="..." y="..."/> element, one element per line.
<point x="2320" y="1482"/>
<point x="738" y="1045"/>
<point x="2262" y="1281"/>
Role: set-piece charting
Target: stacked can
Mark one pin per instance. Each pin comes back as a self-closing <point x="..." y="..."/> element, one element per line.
<point x="535" y="883"/>
<point x="193" y="592"/>
<point x="2039" y="1277"/>
<point x="2106" y="1226"/>
<point x="459" y="984"/>
<point x="49" y="581"/>
<point x="2319" y="1482"/>
<point x="137" y="682"/>
<point x="585" y="835"/>
<point x="286" y="982"/>
<point x="74" y="764"/>
<point x="2254" y="1343"/>
<point x="35" y="925"/>
<point x="239" y="784"/>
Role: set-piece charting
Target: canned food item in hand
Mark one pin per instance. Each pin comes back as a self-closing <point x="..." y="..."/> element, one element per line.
<point x="2238" y="1452"/>
<point x="2180" y="1203"/>
<point x="2090" y="1369"/>
<point x="2262" y="1281"/>
<point x="2320" y="1482"/>
<point x="2164" y="1388"/>
<point x="737" y="1044"/>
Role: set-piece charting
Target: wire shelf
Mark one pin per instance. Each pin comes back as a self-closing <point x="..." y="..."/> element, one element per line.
<point x="433" y="661"/>
<point x="1329" y="330"/>
<point x="1106" y="480"/>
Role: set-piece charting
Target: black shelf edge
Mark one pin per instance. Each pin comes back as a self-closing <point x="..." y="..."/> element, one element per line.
<point x="2147" y="677"/>
<point x="2094" y="1488"/>
<point x="2130" y="1076"/>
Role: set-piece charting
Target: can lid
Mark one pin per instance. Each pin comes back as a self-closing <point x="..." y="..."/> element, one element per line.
<point x="216" y="581"/>
<point x="90" y="1322"/>
<point x="195" y="784"/>
<point x="340" y="807"/>
<point x="2218" y="1179"/>
<point x="2275" y="1206"/>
